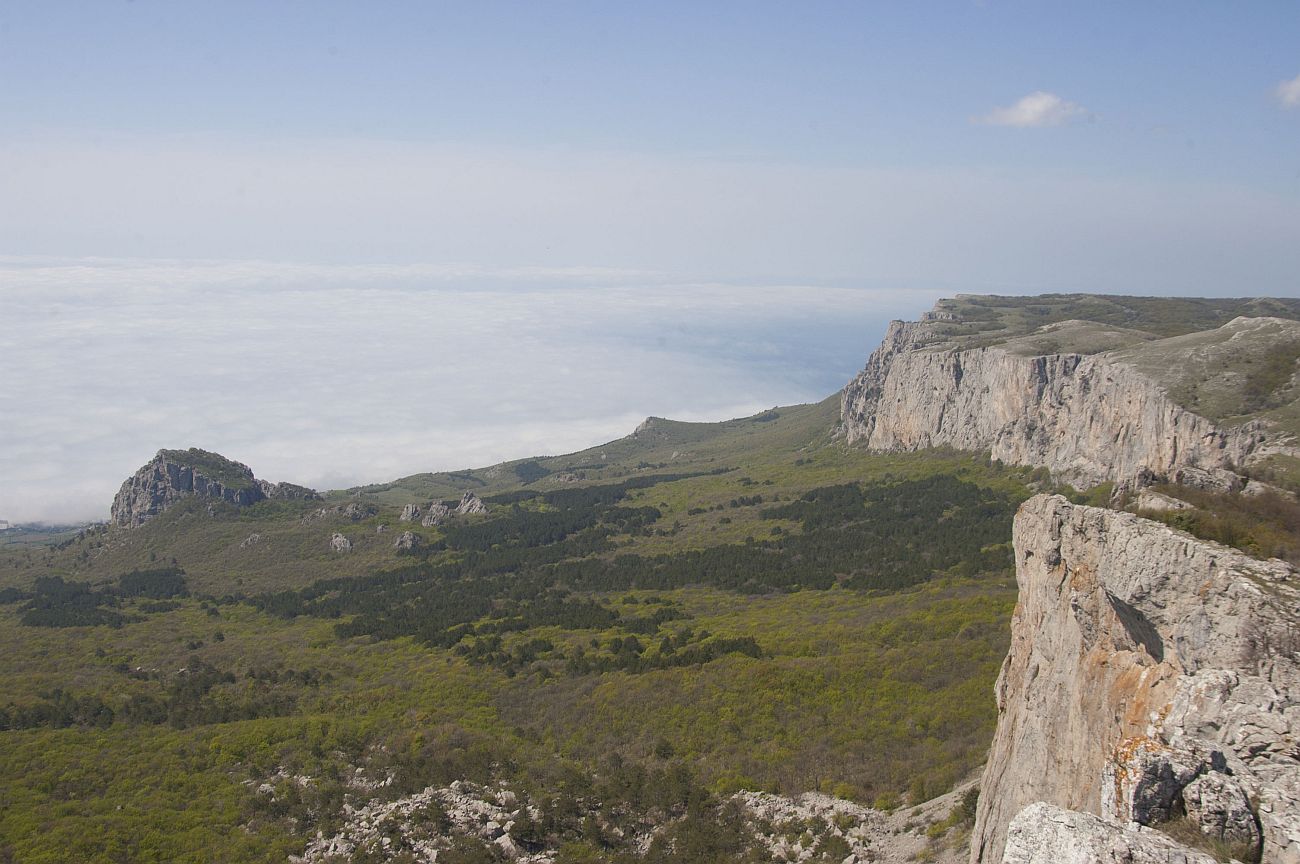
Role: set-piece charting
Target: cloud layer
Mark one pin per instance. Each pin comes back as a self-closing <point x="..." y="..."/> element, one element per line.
<point x="1288" y="93"/>
<point x="1038" y="109"/>
<point x="338" y="376"/>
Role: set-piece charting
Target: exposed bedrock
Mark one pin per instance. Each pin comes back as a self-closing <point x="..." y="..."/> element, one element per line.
<point x="1151" y="677"/>
<point x="1088" y="419"/>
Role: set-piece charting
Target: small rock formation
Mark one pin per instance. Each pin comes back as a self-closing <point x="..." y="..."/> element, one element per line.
<point x="250" y="540"/>
<point x="1089" y="419"/>
<point x="286" y="491"/>
<point x="435" y="514"/>
<point x="1150" y="675"/>
<point x="408" y="541"/>
<point x="339" y="543"/>
<point x="352" y="511"/>
<point x="410" y="513"/>
<point x="471" y="505"/>
<point x="173" y="475"/>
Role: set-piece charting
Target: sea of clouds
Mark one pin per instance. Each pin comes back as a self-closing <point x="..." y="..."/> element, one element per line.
<point x="333" y="376"/>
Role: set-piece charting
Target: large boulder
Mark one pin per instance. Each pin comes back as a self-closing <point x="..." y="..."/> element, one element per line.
<point x="1045" y="834"/>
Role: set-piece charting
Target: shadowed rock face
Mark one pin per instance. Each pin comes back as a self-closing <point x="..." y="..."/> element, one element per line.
<point x="173" y="475"/>
<point x="1150" y="675"/>
<point x="1089" y="419"/>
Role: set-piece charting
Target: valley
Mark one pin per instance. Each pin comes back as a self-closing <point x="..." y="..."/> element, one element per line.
<point x="619" y="652"/>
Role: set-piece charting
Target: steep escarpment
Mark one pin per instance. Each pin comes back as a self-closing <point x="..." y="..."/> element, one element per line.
<point x="1152" y="679"/>
<point x="1089" y="419"/>
<point x="173" y="475"/>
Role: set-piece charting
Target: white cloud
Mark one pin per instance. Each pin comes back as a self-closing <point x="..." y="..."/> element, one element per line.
<point x="1288" y="93"/>
<point x="1039" y="108"/>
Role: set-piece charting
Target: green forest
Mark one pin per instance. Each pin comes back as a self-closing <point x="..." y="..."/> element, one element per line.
<point x="622" y="652"/>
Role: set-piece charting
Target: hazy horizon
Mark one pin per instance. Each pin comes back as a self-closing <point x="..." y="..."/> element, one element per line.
<point x="342" y="246"/>
<point x="334" y="377"/>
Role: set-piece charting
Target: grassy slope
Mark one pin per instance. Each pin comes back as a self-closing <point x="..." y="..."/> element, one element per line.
<point x="987" y="320"/>
<point x="863" y="695"/>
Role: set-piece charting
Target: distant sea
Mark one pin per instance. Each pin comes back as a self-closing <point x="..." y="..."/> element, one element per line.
<point x="335" y="376"/>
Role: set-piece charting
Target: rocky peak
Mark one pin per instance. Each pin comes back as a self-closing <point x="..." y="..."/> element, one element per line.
<point x="173" y="475"/>
<point x="471" y="504"/>
<point x="1151" y="676"/>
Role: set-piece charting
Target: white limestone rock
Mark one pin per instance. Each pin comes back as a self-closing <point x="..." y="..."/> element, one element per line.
<point x="470" y="505"/>
<point x="1089" y="419"/>
<point x="435" y="514"/>
<point x="1044" y="834"/>
<point x="1143" y="660"/>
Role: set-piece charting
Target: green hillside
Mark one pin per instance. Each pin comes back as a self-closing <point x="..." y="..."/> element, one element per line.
<point x="747" y="604"/>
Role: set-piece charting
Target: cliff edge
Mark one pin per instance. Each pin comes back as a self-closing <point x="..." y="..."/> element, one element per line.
<point x="1153" y="680"/>
<point x="1088" y="418"/>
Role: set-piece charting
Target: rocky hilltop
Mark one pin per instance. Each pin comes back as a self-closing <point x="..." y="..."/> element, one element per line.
<point x="1077" y="397"/>
<point x="173" y="475"/>
<point x="1153" y="680"/>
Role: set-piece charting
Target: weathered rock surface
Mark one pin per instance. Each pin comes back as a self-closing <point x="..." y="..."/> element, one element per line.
<point x="410" y="513"/>
<point x="1089" y="419"/>
<point x="408" y="541"/>
<point x="470" y="504"/>
<point x="1044" y="833"/>
<point x="339" y="543"/>
<point x="435" y="514"/>
<point x="173" y="475"/>
<point x="1150" y="675"/>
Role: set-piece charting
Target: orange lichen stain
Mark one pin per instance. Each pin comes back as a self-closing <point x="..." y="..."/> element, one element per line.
<point x="1125" y="752"/>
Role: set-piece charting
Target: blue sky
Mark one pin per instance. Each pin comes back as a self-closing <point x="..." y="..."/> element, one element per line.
<point x="1182" y="89"/>
<point x="338" y="197"/>
<point x="769" y="141"/>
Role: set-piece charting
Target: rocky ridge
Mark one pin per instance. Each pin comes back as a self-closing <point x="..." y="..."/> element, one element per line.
<point x="174" y="475"/>
<point x="1088" y="418"/>
<point x="426" y="823"/>
<point x="1152" y="679"/>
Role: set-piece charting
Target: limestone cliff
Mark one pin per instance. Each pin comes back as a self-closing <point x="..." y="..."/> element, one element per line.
<point x="173" y="475"/>
<point x="1089" y="419"/>
<point x="1151" y="677"/>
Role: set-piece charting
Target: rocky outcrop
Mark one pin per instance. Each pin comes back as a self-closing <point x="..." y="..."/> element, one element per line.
<point x="1151" y="676"/>
<point x="409" y="541"/>
<point x="1089" y="419"/>
<point x="286" y="491"/>
<point x="339" y="543"/>
<point x="410" y="513"/>
<point x="435" y="514"/>
<point x="174" y="475"/>
<point x="471" y="505"/>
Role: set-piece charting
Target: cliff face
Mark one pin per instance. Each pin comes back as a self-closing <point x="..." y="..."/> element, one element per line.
<point x="1089" y="419"/>
<point x="173" y="475"/>
<point x="1151" y="676"/>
